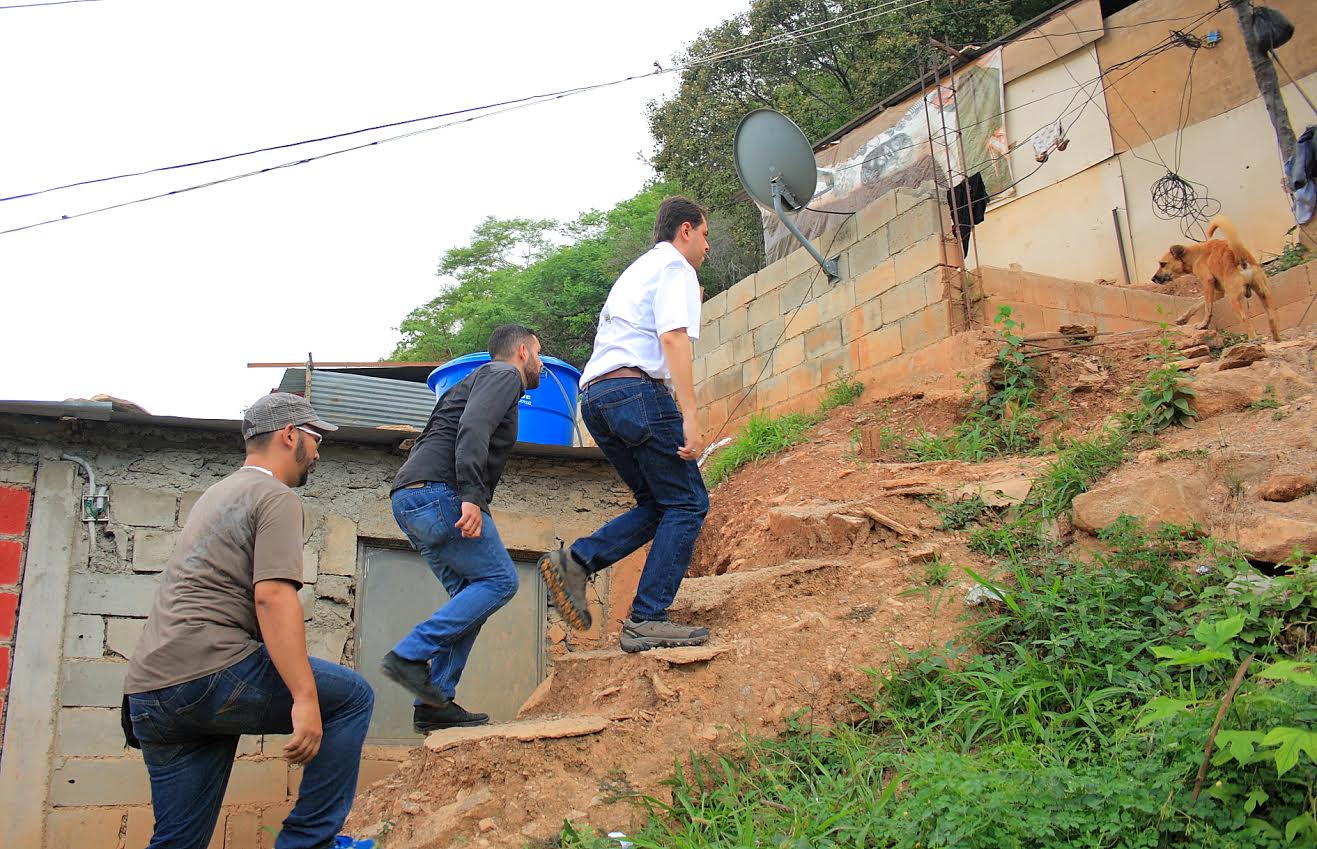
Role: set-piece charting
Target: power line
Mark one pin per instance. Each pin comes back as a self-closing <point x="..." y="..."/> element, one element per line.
<point x="1162" y="46"/>
<point x="714" y="59"/>
<point x="484" y="111"/>
<point x="236" y="177"/>
<point x="51" y="3"/>
<point x="885" y="8"/>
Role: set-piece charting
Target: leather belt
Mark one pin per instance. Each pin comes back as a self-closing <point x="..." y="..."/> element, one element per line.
<point x="624" y="371"/>
<point x="416" y="485"/>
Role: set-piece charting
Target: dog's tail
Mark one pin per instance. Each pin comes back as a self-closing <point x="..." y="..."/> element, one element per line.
<point x="1236" y="244"/>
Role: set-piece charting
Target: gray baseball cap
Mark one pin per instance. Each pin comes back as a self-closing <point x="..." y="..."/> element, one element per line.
<point x="280" y="409"/>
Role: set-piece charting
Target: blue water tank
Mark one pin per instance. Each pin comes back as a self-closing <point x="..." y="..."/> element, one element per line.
<point x="548" y="412"/>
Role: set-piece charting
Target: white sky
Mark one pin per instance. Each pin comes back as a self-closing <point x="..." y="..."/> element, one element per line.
<point x="164" y="303"/>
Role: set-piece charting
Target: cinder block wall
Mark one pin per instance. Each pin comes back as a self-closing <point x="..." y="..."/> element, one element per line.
<point x="15" y="507"/>
<point x="97" y="788"/>
<point x="775" y="340"/>
<point x="1045" y="303"/>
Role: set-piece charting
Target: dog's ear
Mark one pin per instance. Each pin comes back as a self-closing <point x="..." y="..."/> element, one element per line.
<point x="1177" y="251"/>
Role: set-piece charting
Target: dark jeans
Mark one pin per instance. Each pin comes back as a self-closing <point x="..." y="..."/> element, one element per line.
<point x="638" y="426"/>
<point x="189" y="734"/>
<point x="478" y="575"/>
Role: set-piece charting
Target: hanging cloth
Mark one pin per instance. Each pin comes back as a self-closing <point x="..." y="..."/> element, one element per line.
<point x="1301" y="172"/>
<point x="968" y="200"/>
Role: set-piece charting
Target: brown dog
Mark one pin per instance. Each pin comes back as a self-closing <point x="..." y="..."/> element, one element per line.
<point x="1225" y="269"/>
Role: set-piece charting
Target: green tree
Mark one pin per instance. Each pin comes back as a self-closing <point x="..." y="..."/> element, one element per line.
<point x="514" y="271"/>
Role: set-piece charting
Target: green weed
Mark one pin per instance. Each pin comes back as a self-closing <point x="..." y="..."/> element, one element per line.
<point x="936" y="572"/>
<point x="1227" y="338"/>
<point x="956" y="515"/>
<point x="1077" y="466"/>
<point x="1079" y="720"/>
<point x="1291" y="255"/>
<point x="1165" y="398"/>
<point x="765" y="435"/>
<point x="1006" y="422"/>
<point x="1267" y="401"/>
<point x="841" y="393"/>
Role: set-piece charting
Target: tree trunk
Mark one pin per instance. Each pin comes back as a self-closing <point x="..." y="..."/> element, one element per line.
<point x="1265" y="74"/>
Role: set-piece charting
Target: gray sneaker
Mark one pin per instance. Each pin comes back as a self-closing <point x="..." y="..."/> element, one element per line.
<point x="643" y="636"/>
<point x="566" y="580"/>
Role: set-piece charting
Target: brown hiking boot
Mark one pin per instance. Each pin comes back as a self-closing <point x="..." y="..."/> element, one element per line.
<point x="566" y="580"/>
<point x="643" y="636"/>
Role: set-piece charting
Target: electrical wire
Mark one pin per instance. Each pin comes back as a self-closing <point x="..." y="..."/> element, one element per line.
<point x="484" y="111"/>
<point x="1162" y="46"/>
<point x="814" y="29"/>
<point x="236" y="177"/>
<point x="768" y="360"/>
<point x="734" y="54"/>
<point x="51" y="3"/>
<point x="715" y="59"/>
<point x="1293" y="81"/>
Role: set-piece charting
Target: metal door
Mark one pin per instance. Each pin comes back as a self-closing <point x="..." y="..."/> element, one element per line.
<point x="397" y="591"/>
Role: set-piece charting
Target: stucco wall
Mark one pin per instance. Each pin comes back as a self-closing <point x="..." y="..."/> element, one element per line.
<point x="88" y="786"/>
<point x="1234" y="155"/>
<point x="1122" y="130"/>
<point x="1144" y="100"/>
<point x="1065" y="230"/>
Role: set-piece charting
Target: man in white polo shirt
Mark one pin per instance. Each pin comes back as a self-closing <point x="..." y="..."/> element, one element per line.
<point x="642" y="357"/>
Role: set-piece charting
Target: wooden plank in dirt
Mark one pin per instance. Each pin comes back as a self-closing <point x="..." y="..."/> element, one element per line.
<point x="524" y="730"/>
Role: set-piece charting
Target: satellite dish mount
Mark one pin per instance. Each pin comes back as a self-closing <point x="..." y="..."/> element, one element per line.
<point x="776" y="165"/>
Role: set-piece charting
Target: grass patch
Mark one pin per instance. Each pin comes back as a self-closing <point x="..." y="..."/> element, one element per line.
<point x="1268" y="401"/>
<point x="1079" y="720"/>
<point x="1006" y="422"/>
<point x="1293" y="254"/>
<point x="841" y="393"/>
<point x="955" y="515"/>
<point x="936" y="572"/>
<point x="765" y="435"/>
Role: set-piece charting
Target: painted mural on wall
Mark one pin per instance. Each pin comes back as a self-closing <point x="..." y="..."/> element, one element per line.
<point x="924" y="143"/>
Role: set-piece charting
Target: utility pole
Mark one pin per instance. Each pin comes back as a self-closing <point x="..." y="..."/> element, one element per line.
<point x="1265" y="74"/>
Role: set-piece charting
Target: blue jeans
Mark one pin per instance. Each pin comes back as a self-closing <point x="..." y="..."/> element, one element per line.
<point x="638" y="426"/>
<point x="189" y="734"/>
<point x="478" y="575"/>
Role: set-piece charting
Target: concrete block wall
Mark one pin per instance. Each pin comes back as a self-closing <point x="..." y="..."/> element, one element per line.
<point x="1045" y="303"/>
<point x="775" y="340"/>
<point x="1294" y="296"/>
<point x="16" y="480"/>
<point x="97" y="788"/>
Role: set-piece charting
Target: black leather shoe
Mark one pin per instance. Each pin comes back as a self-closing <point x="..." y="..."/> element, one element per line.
<point x="414" y="675"/>
<point x="426" y="719"/>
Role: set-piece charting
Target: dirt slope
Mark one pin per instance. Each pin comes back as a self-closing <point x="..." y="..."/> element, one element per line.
<point x="814" y="567"/>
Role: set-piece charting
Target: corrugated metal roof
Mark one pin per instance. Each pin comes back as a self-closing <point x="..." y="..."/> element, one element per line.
<point x="362" y="401"/>
<point x="103" y="411"/>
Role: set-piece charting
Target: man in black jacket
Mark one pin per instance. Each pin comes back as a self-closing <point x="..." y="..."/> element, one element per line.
<point x="441" y="501"/>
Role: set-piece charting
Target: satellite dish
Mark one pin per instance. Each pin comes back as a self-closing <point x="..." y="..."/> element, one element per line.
<point x="776" y="165"/>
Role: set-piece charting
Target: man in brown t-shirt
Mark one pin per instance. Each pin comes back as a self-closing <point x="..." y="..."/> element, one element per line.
<point x="224" y="650"/>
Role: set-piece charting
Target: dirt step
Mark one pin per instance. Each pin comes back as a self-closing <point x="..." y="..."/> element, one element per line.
<point x="701" y="596"/>
<point x="676" y="656"/>
<point x="587" y="680"/>
<point x="524" y="730"/>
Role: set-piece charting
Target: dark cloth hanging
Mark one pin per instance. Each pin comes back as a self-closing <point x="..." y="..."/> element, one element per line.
<point x="968" y="200"/>
<point x="1301" y="171"/>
